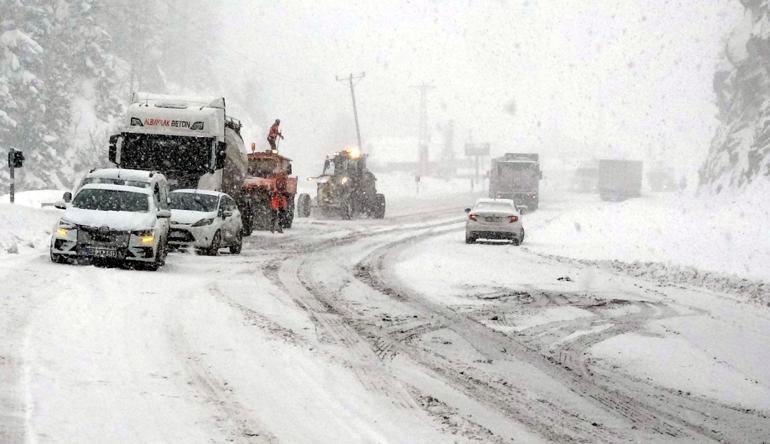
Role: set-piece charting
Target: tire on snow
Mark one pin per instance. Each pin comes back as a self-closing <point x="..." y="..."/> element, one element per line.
<point x="379" y="206"/>
<point x="303" y="205"/>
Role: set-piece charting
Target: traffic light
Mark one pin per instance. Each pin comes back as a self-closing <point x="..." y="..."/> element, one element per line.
<point x="15" y="159"/>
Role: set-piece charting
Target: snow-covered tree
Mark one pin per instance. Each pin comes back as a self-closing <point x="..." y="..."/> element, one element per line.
<point x="21" y="84"/>
<point x="52" y="53"/>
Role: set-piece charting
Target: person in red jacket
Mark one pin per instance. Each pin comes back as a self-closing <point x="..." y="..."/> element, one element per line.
<point x="274" y="134"/>
<point x="276" y="205"/>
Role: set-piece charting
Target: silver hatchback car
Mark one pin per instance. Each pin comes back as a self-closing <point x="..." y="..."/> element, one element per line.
<point x="494" y="219"/>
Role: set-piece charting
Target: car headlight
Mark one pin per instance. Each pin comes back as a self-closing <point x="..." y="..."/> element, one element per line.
<point x="203" y="222"/>
<point x="63" y="228"/>
<point x="146" y="237"/>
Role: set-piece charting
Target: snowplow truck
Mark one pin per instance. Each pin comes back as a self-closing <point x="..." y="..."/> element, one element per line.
<point x="346" y="188"/>
<point x="620" y="179"/>
<point x="516" y="176"/>
<point x="191" y="140"/>
<point x="268" y="176"/>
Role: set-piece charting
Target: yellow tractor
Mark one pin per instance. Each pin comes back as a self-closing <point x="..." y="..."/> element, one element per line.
<point x="346" y="188"/>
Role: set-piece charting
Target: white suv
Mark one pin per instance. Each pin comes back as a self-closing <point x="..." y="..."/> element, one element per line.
<point x="119" y="223"/>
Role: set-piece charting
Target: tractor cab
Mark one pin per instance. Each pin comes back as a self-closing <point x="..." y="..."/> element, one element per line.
<point x="347" y="188"/>
<point x="348" y="163"/>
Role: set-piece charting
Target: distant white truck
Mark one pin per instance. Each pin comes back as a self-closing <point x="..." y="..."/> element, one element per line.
<point x="516" y="176"/>
<point x="191" y="140"/>
<point x="620" y="179"/>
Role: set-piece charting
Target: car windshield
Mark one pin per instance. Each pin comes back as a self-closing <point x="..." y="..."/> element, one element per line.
<point x="113" y="181"/>
<point x="194" y="202"/>
<point x="111" y="200"/>
<point x="494" y="206"/>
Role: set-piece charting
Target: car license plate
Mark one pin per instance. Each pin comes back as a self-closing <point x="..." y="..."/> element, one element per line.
<point x="104" y="253"/>
<point x="492" y="219"/>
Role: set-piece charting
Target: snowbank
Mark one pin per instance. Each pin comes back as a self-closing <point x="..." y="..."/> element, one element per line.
<point x="25" y="229"/>
<point x="27" y="224"/>
<point x="718" y="234"/>
<point x="34" y="199"/>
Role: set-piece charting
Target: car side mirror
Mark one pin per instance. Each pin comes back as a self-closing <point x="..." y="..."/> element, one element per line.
<point x="467" y="210"/>
<point x="226" y="213"/>
<point x="164" y="214"/>
<point x="61" y="205"/>
<point x="67" y="197"/>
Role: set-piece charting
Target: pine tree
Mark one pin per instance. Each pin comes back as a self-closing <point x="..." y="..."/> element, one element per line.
<point x="21" y="65"/>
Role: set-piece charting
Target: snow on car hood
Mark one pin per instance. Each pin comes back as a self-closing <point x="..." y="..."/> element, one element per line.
<point x="116" y="220"/>
<point x="190" y="216"/>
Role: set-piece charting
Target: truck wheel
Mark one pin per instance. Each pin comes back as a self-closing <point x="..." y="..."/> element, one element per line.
<point x="379" y="206"/>
<point x="346" y="212"/>
<point x="303" y="205"/>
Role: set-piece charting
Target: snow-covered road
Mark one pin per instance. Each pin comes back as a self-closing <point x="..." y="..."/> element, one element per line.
<point x="378" y="331"/>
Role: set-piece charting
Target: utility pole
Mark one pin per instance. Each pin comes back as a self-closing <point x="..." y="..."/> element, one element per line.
<point x="12" y="166"/>
<point x="423" y="135"/>
<point x="350" y="79"/>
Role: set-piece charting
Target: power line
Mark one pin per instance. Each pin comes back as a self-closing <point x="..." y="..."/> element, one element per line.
<point x="423" y="135"/>
<point x="350" y="79"/>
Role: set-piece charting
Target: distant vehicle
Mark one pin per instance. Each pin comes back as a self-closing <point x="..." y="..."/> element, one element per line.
<point x="585" y="179"/>
<point x="268" y="176"/>
<point x="494" y="219"/>
<point x="345" y="188"/>
<point x="117" y="223"/>
<point x="191" y="140"/>
<point x="620" y="179"/>
<point x="205" y="220"/>
<point x="661" y="178"/>
<point x="516" y="176"/>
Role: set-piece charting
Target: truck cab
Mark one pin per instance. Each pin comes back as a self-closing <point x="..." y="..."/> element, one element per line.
<point x="516" y="176"/>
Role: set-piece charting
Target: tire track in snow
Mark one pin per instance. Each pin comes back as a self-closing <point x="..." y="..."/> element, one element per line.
<point x="657" y="409"/>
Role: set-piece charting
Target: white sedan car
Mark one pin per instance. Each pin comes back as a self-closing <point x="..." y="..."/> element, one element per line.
<point x="206" y="221"/>
<point x="494" y="219"/>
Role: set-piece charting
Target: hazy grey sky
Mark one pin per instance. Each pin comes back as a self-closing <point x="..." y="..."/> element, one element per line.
<point x="632" y="74"/>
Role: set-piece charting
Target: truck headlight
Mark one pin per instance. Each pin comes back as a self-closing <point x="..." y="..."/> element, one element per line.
<point x="203" y="222"/>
